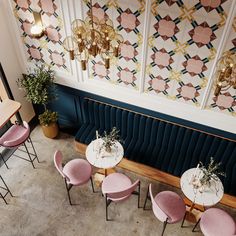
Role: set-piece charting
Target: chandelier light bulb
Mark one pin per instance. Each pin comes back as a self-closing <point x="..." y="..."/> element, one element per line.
<point x="93" y="37"/>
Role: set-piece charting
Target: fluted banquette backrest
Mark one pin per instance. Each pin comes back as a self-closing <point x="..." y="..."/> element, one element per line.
<point x="160" y="144"/>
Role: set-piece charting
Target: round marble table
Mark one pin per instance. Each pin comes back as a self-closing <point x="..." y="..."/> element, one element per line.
<point x="99" y="158"/>
<point x="206" y="197"/>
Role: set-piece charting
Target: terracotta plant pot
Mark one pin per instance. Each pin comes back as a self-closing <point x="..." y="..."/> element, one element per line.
<point x="50" y="131"/>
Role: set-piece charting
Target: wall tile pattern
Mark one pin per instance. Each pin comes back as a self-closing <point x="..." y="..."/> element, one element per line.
<point x="48" y="49"/>
<point x="183" y="38"/>
<point x="226" y="101"/>
<point x="128" y="19"/>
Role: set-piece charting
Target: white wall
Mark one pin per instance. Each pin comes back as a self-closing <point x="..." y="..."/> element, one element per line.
<point x="67" y="11"/>
<point x="10" y="62"/>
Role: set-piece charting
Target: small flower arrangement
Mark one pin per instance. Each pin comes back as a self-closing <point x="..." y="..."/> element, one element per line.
<point x="109" y="139"/>
<point x="211" y="171"/>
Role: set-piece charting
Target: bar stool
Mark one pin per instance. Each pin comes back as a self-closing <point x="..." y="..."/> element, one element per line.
<point x="16" y="136"/>
<point x="5" y="187"/>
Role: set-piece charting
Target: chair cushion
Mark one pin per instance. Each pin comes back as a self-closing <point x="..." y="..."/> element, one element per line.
<point x="78" y="171"/>
<point x="15" y="135"/>
<point x="116" y="182"/>
<point x="216" y="222"/>
<point x="171" y="204"/>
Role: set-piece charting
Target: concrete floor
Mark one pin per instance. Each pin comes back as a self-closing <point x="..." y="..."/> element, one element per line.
<point x="40" y="204"/>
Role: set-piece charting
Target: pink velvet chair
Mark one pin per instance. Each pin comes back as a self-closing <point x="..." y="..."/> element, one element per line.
<point x="75" y="172"/>
<point x="15" y="137"/>
<point x="167" y="206"/>
<point x="118" y="187"/>
<point x="216" y="222"/>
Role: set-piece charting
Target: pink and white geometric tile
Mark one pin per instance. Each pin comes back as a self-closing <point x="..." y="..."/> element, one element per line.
<point x="47" y="49"/>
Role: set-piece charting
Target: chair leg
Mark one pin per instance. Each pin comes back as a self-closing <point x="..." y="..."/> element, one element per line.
<point x="33" y="149"/>
<point x="107" y="204"/>
<point x="164" y="227"/>
<point x="147" y="196"/>
<point x="29" y="155"/>
<point x="139" y="194"/>
<point x="193" y="230"/>
<point x="6" y="186"/>
<point x="3" y="199"/>
<point x="4" y="161"/>
<point x="91" y="179"/>
<point x="182" y="224"/>
<point x="68" y="191"/>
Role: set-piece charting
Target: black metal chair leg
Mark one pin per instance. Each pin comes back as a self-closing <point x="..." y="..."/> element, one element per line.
<point x="3" y="199"/>
<point x="4" y="161"/>
<point x="6" y="186"/>
<point x="29" y="155"/>
<point x="164" y="227"/>
<point x="34" y="150"/>
<point x="68" y="191"/>
<point x="91" y="179"/>
<point x="147" y="195"/>
<point x="182" y="224"/>
<point x="139" y="194"/>
<point x="193" y="230"/>
<point x="106" y="208"/>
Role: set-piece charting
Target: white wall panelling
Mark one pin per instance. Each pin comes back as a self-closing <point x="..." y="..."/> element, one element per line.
<point x="76" y="78"/>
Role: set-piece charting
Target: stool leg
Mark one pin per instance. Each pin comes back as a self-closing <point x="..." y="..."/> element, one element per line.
<point x="29" y="155"/>
<point x="34" y="149"/>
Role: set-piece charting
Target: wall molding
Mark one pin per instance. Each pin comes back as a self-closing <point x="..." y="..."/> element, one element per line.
<point x="79" y="79"/>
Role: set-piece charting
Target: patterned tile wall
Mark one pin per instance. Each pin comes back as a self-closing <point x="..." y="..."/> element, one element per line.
<point x="48" y="49"/>
<point x="183" y="40"/>
<point x="128" y="19"/>
<point x="226" y="101"/>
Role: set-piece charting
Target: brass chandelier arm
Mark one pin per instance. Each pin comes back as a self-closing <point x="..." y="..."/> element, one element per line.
<point x="226" y="77"/>
<point x="93" y="37"/>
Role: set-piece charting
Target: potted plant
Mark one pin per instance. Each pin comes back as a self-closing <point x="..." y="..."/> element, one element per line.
<point x="110" y="139"/>
<point x="36" y="85"/>
<point x="210" y="172"/>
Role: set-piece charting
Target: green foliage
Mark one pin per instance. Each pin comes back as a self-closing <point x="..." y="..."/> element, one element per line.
<point x="111" y="138"/>
<point x="37" y="84"/>
<point x="211" y="171"/>
<point x="48" y="117"/>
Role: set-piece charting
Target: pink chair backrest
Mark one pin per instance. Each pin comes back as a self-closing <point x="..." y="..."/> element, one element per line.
<point x="124" y="193"/>
<point x="58" y="162"/>
<point x="158" y="211"/>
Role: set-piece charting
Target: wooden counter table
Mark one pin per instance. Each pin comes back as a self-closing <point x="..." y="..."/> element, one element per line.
<point x="8" y="108"/>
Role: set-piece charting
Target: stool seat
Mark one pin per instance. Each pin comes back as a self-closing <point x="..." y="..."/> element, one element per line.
<point x="15" y="135"/>
<point x="216" y="222"/>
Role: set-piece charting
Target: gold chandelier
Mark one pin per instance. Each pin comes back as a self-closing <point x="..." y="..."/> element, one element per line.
<point x="93" y="37"/>
<point x="226" y="72"/>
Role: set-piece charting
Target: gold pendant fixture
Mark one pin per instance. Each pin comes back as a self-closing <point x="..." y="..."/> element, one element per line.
<point x="226" y="72"/>
<point x="93" y="37"/>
